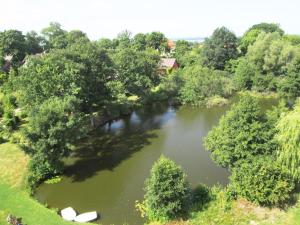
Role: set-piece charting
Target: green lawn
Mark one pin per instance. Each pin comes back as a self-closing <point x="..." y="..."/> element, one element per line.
<point x="21" y="205"/>
<point x="13" y="165"/>
<point x="14" y="199"/>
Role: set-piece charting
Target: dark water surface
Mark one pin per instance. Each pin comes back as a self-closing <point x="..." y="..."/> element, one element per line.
<point x="108" y="171"/>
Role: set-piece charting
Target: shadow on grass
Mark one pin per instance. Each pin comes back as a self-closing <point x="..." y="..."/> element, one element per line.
<point x="201" y="197"/>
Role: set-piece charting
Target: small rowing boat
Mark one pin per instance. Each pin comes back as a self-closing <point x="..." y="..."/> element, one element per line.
<point x="86" y="217"/>
<point x="68" y="214"/>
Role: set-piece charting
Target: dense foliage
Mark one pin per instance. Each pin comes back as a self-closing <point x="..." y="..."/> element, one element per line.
<point x="200" y="83"/>
<point x="288" y="137"/>
<point x="52" y="83"/>
<point x="243" y="132"/>
<point x="261" y="181"/>
<point x="167" y="192"/>
<point x="220" y="48"/>
<point x="252" y="33"/>
<point x="51" y="130"/>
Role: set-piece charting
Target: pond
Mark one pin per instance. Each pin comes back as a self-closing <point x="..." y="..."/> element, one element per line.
<point x="108" y="171"/>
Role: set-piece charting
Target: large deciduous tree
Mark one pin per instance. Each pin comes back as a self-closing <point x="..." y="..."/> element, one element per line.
<point x="55" y="36"/>
<point x="220" y="48"/>
<point x="12" y="43"/>
<point x="251" y="34"/>
<point x="52" y="129"/>
<point x="137" y="70"/>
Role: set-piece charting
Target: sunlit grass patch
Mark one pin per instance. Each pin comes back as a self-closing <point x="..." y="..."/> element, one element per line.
<point x="13" y="165"/>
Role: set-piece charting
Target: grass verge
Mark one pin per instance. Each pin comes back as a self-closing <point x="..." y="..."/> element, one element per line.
<point x="14" y="199"/>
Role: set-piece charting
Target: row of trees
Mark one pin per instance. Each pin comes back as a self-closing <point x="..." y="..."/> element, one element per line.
<point x="264" y="59"/>
<point x="52" y="82"/>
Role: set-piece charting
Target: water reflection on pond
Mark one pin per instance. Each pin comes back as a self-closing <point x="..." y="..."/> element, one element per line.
<point x="108" y="171"/>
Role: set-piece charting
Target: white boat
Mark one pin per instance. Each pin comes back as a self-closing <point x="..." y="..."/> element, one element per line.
<point x="86" y="217"/>
<point x="68" y="214"/>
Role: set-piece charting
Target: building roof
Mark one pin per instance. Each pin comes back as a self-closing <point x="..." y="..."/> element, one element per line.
<point x="168" y="62"/>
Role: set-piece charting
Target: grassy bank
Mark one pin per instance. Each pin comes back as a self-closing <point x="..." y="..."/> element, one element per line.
<point x="13" y="166"/>
<point x="19" y="203"/>
<point x="14" y="199"/>
<point x="239" y="212"/>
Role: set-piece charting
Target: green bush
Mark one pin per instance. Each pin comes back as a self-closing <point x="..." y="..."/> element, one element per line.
<point x="200" y="83"/>
<point x="167" y="191"/>
<point x="263" y="182"/>
<point x="243" y="132"/>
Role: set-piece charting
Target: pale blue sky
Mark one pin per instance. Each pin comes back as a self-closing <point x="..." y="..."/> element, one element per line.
<point x="175" y="18"/>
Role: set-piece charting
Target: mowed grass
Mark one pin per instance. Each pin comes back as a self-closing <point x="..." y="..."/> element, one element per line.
<point x="21" y="205"/>
<point x="14" y="199"/>
<point x="13" y="165"/>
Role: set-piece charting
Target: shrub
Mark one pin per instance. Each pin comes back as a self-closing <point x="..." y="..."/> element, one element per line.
<point x="167" y="191"/>
<point x="262" y="182"/>
<point x="216" y="101"/>
<point x="200" y="83"/>
<point x="243" y="132"/>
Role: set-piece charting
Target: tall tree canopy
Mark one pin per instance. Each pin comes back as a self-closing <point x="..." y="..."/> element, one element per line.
<point x="220" y="48"/>
<point x="12" y="43"/>
<point x="55" y="36"/>
<point x="53" y="126"/>
<point x="252" y="33"/>
<point x="137" y="70"/>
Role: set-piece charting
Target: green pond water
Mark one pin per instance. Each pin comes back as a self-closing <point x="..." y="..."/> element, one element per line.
<point x="108" y="171"/>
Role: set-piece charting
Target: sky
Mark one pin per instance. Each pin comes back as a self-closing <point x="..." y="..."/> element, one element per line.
<point x="175" y="18"/>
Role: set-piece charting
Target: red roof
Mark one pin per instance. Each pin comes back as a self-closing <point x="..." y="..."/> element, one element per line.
<point x="168" y="62"/>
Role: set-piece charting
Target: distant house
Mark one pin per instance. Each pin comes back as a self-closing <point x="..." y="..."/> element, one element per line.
<point x="167" y="64"/>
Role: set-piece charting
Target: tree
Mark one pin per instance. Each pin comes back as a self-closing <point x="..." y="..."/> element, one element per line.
<point x="182" y="48"/>
<point x="137" y="70"/>
<point x="75" y="36"/>
<point x="292" y="38"/>
<point x="55" y="36"/>
<point x="257" y="52"/>
<point x="158" y="41"/>
<point x="167" y="192"/>
<point x="52" y="128"/>
<point x="261" y="181"/>
<point x="201" y="83"/>
<point x="220" y="48"/>
<point x="12" y="43"/>
<point x="251" y="34"/>
<point x="288" y="138"/>
<point x="124" y="39"/>
<point x="243" y="132"/>
<point x="80" y="70"/>
<point x="139" y="41"/>
<point x="34" y="43"/>
<point x="244" y="74"/>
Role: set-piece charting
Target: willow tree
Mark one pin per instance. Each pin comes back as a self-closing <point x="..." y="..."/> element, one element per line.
<point x="288" y="138"/>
